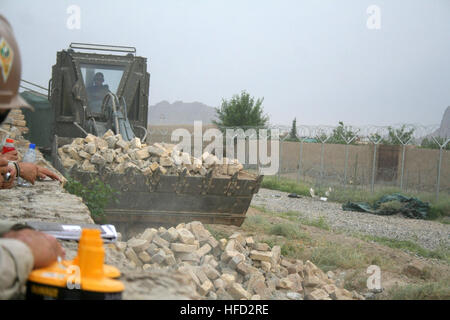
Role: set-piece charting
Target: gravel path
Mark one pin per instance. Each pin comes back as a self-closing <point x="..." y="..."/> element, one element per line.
<point x="428" y="234"/>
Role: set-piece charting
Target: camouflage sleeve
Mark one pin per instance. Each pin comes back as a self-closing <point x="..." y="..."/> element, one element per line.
<point x="16" y="263"/>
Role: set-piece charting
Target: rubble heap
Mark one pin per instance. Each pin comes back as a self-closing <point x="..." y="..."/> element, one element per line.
<point x="15" y="124"/>
<point x="233" y="268"/>
<point x="117" y="155"/>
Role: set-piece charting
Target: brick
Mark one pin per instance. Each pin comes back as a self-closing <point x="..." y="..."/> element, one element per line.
<point x="238" y="292"/>
<point x="230" y="245"/>
<point x="201" y="274"/>
<point x="173" y="234"/>
<point x="101" y="144"/>
<point x="212" y="262"/>
<point x="228" y="279"/>
<point x="329" y="288"/>
<point x="249" y="242"/>
<point x="108" y="154"/>
<point x="265" y="266"/>
<point x="294" y="296"/>
<point x="210" y="272"/>
<point x="219" y="283"/>
<point x="199" y="231"/>
<point x="146" y="267"/>
<point x="90" y="138"/>
<point x="261" y="255"/>
<point x="156" y="151"/>
<point x="182" y="247"/>
<point x="83" y="154"/>
<point x="213" y="242"/>
<point x="341" y="294"/>
<point x="141" y="154"/>
<point x="166" y="161"/>
<point x="148" y="234"/>
<point x="186" y="236"/>
<point x="98" y="159"/>
<point x="68" y="163"/>
<point x="312" y="281"/>
<point x="144" y="256"/>
<point x="152" y="249"/>
<point x="236" y="260"/>
<point x="159" y="257"/>
<point x="254" y="279"/>
<point x="222" y="244"/>
<point x="238" y="237"/>
<point x="318" y="294"/>
<point x="181" y="226"/>
<point x="160" y="241"/>
<point x="261" y="247"/>
<point x="205" y="288"/>
<point x="187" y="270"/>
<point x="188" y="257"/>
<point x="228" y="255"/>
<point x="87" y="166"/>
<point x="135" y="143"/>
<point x="122" y="144"/>
<point x="203" y="250"/>
<point x="245" y="269"/>
<point x="297" y="281"/>
<point x="121" y="246"/>
<point x="138" y="245"/>
<point x="285" y="283"/>
<point x="276" y="254"/>
<point x="170" y="260"/>
<point x="131" y="255"/>
<point x="222" y="294"/>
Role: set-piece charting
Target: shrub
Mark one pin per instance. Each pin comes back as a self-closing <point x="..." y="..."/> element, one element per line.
<point x="95" y="195"/>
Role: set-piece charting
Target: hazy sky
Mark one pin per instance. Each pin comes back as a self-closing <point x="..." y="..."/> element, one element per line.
<point x="313" y="60"/>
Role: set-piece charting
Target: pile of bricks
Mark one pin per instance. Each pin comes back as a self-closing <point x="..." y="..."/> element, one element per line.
<point x="233" y="268"/>
<point x="15" y="124"/>
<point x="117" y="155"/>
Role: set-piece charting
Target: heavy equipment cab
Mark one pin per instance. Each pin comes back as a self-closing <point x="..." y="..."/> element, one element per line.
<point x="93" y="92"/>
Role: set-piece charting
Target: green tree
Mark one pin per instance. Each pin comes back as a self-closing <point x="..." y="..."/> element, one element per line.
<point x="241" y="111"/>
<point x="341" y="134"/>
<point x="293" y="133"/>
<point x="394" y="135"/>
<point x="431" y="144"/>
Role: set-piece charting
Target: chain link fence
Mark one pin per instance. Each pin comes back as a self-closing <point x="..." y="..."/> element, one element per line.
<point x="367" y="157"/>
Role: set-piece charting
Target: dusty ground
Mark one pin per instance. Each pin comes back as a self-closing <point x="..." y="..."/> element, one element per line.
<point x="428" y="234"/>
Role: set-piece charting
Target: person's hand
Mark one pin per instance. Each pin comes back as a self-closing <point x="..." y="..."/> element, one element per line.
<point x="5" y="168"/>
<point x="10" y="156"/>
<point x="31" y="171"/>
<point x="44" y="172"/>
<point x="45" y="248"/>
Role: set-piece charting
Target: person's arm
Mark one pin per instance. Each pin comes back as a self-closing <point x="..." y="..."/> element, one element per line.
<point x="21" y="250"/>
<point x="16" y="263"/>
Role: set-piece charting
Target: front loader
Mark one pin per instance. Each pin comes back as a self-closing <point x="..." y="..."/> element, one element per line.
<point x="96" y="88"/>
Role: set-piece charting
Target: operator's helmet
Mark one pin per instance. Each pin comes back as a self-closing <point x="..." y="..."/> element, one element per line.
<point x="99" y="76"/>
<point x="10" y="69"/>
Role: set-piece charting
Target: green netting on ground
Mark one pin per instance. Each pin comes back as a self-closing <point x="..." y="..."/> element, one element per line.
<point x="392" y="204"/>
